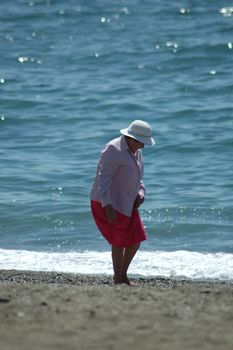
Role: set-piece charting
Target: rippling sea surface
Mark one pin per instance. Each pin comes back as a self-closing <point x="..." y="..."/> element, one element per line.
<point x="72" y="73"/>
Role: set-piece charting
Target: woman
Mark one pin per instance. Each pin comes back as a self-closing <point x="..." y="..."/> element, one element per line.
<point x="117" y="193"/>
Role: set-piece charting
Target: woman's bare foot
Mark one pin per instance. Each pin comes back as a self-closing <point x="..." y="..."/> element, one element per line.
<point x="127" y="281"/>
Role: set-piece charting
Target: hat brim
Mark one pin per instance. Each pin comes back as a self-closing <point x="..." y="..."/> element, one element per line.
<point x="149" y="141"/>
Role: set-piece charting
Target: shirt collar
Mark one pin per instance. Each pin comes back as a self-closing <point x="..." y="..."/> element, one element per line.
<point x="124" y="146"/>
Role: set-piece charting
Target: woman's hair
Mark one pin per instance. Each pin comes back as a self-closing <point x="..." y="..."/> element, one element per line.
<point x="129" y="138"/>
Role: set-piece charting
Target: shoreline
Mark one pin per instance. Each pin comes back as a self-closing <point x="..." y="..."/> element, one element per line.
<point x="54" y="277"/>
<point x="57" y="311"/>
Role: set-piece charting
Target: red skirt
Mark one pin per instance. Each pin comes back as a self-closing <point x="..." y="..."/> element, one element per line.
<point x="125" y="232"/>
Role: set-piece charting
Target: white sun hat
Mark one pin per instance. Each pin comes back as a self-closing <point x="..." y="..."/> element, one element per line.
<point x="140" y="131"/>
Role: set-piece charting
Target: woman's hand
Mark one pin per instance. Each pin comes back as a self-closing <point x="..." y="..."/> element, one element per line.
<point x="111" y="214"/>
<point x="138" y="201"/>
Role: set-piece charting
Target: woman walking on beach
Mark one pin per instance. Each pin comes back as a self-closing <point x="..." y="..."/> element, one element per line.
<point x="117" y="193"/>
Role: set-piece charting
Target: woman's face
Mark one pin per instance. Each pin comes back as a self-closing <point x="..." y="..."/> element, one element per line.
<point x="134" y="145"/>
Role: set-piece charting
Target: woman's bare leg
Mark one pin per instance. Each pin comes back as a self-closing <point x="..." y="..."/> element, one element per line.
<point x="117" y="261"/>
<point x="128" y="255"/>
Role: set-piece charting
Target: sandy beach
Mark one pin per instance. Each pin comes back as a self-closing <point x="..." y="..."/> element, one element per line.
<point x="40" y="310"/>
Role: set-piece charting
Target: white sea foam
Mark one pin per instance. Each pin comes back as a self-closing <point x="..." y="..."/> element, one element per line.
<point x="165" y="264"/>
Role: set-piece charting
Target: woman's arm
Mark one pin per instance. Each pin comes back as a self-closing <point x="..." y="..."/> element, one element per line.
<point x="108" y="166"/>
<point x="138" y="201"/>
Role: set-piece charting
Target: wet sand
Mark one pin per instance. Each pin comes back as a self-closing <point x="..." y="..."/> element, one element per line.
<point x="41" y="310"/>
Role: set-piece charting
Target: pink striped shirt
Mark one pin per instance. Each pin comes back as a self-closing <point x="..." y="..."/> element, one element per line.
<point x="118" y="178"/>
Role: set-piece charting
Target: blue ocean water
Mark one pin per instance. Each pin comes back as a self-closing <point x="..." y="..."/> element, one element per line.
<point x="72" y="73"/>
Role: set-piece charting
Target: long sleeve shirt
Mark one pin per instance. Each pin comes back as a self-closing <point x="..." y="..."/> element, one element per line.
<point x="118" y="178"/>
